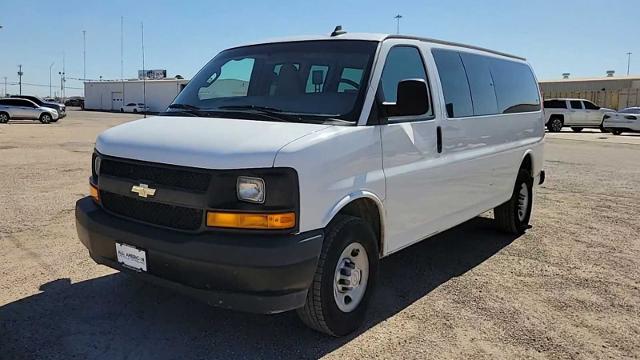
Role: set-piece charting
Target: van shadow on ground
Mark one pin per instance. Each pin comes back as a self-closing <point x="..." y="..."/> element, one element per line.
<point x="116" y="316"/>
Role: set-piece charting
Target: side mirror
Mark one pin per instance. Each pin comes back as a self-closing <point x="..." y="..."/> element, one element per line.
<point x="412" y="99"/>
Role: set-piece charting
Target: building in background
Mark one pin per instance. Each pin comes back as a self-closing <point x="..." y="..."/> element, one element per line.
<point x="113" y="95"/>
<point x="608" y="91"/>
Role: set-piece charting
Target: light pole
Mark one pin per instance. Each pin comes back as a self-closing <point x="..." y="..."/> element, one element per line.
<point x="20" y="73"/>
<point x="84" y="54"/>
<point x="398" y="17"/>
<point x="50" y="66"/>
<point x="5" y="86"/>
<point x="144" y="75"/>
<point x="628" y="62"/>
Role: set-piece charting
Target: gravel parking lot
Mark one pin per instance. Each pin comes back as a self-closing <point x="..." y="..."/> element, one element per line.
<point x="569" y="288"/>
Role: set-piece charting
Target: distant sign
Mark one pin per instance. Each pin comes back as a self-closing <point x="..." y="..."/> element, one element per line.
<point x="152" y="74"/>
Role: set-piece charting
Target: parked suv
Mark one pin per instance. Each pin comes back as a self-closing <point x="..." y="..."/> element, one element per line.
<point x="284" y="171"/>
<point x="576" y="113"/>
<point x="23" y="109"/>
<point x="60" y="108"/>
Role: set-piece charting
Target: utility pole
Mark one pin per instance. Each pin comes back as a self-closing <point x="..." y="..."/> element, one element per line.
<point x="122" y="55"/>
<point x="628" y="62"/>
<point x="398" y="17"/>
<point x="144" y="75"/>
<point x="84" y="54"/>
<point x="5" y="86"/>
<point x="20" y="73"/>
<point x="50" y="66"/>
<point x="62" y="78"/>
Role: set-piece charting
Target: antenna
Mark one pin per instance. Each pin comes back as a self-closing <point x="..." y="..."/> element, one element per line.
<point x="338" y="31"/>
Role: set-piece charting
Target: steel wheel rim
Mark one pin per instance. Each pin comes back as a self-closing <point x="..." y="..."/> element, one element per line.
<point x="350" y="277"/>
<point x="523" y="202"/>
<point x="46" y="118"/>
<point x="557" y="126"/>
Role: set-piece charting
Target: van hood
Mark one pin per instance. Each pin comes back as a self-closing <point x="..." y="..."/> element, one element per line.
<point x="209" y="143"/>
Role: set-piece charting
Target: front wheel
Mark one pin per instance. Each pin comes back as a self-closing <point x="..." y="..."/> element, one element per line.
<point x="4" y="118"/>
<point x="555" y="124"/>
<point x="616" y="132"/>
<point x="513" y="216"/>
<point x="577" y="129"/>
<point x="45" y="118"/>
<point x="345" y="278"/>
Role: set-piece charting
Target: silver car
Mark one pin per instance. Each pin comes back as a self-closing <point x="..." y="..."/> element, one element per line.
<point x="23" y="109"/>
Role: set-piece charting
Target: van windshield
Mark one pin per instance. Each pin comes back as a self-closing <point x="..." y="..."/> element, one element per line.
<point x="293" y="81"/>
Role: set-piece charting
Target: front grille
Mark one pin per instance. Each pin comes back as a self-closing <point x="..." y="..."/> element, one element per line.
<point x="184" y="179"/>
<point x="176" y="217"/>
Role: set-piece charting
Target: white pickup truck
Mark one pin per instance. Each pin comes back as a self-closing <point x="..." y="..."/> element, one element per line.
<point x="575" y="113"/>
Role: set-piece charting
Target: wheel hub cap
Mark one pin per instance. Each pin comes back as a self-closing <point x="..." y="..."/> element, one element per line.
<point x="351" y="275"/>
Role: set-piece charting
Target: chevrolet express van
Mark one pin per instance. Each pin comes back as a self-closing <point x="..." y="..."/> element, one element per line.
<point x="285" y="170"/>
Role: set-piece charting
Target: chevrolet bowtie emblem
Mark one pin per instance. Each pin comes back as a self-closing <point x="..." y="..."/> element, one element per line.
<point x="143" y="190"/>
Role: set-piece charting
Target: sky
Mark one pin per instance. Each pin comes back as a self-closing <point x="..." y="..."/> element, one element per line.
<point x="582" y="37"/>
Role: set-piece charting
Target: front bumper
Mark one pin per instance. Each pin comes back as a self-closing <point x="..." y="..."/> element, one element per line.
<point x="247" y="272"/>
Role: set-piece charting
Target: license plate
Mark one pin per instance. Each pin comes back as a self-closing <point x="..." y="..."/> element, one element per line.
<point x="131" y="257"/>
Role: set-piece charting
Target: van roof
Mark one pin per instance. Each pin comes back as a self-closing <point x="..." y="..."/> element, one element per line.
<point x="379" y="37"/>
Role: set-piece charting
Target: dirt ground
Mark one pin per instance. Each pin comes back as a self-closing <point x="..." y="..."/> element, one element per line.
<point x="568" y="288"/>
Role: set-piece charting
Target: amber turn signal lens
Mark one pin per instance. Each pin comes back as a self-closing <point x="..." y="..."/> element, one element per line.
<point x="94" y="193"/>
<point x="251" y="220"/>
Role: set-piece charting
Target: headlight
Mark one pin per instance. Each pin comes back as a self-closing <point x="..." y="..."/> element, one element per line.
<point x="250" y="189"/>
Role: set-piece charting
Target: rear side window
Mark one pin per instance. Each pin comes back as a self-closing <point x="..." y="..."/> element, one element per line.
<point x="576" y="104"/>
<point x="555" y="104"/>
<point x="516" y="87"/>
<point x="483" y="96"/>
<point x="455" y="87"/>
<point x="590" y="106"/>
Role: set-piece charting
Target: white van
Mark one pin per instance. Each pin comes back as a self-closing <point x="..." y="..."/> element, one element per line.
<point x="285" y="170"/>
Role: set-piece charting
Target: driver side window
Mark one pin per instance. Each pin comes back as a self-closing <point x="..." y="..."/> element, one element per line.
<point x="403" y="62"/>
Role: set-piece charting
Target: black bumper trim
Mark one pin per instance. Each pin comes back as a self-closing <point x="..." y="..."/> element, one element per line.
<point x="248" y="272"/>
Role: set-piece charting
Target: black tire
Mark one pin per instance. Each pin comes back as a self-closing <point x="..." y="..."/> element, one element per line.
<point x="577" y="129"/>
<point x="506" y="215"/>
<point x="121" y="110"/>
<point x="555" y="124"/>
<point x="135" y="111"/>
<point x="602" y="128"/>
<point x="45" y="118"/>
<point x="4" y="117"/>
<point x="320" y="311"/>
<point x="616" y="131"/>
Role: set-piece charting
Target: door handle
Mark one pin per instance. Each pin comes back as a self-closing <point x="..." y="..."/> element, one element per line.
<point x="439" y="139"/>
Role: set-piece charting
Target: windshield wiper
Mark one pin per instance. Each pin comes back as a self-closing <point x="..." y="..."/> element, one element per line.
<point x="271" y="112"/>
<point x="183" y="109"/>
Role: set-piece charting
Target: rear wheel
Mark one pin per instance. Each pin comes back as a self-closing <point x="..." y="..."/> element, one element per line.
<point x="576" y="129"/>
<point x="4" y="118"/>
<point x="45" y="118"/>
<point x="602" y="128"/>
<point x="345" y="278"/>
<point x="513" y="216"/>
<point x="616" y="131"/>
<point x="555" y="124"/>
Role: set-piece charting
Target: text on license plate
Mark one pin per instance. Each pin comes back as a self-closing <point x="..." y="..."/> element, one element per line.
<point x="131" y="257"/>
